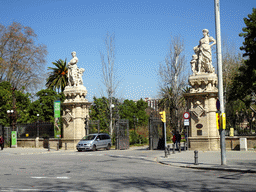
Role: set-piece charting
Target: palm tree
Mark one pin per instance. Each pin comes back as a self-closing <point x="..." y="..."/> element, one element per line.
<point x="58" y="76"/>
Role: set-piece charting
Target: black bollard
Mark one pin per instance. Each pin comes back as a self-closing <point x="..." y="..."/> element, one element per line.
<point x="179" y="148"/>
<point x="165" y="152"/>
<point x="168" y="149"/>
<point x="48" y="146"/>
<point x="196" y="157"/>
<point x="173" y="148"/>
<point x="66" y="146"/>
<point x="58" y="146"/>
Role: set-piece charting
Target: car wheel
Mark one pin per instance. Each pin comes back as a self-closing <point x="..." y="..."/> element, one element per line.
<point x="108" y="147"/>
<point x="94" y="148"/>
<point x="79" y="150"/>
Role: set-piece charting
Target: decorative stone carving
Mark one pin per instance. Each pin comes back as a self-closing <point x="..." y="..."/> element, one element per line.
<point x="202" y="97"/>
<point x="75" y="106"/>
<point x="67" y="117"/>
<point x="74" y="73"/>
<point x="198" y="109"/>
<point x="202" y="60"/>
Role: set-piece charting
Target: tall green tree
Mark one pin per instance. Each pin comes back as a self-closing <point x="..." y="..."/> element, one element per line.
<point x="99" y="111"/>
<point x="22" y="102"/>
<point x="58" y="78"/>
<point x="44" y="105"/>
<point x="244" y="83"/>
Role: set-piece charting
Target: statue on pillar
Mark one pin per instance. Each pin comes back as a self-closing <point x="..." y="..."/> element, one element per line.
<point x="202" y="59"/>
<point x="74" y="73"/>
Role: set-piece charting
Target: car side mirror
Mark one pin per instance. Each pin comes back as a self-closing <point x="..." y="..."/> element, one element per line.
<point x="98" y="139"/>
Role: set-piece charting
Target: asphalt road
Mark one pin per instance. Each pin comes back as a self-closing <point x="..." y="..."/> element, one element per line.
<point x="132" y="170"/>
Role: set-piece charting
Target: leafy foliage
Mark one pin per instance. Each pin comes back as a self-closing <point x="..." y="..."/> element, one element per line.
<point x="245" y="82"/>
<point x="6" y="103"/>
<point x="44" y="105"/>
<point x="58" y="76"/>
<point x="126" y="110"/>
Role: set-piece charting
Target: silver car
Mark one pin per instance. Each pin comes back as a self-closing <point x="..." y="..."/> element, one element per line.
<point x="94" y="142"/>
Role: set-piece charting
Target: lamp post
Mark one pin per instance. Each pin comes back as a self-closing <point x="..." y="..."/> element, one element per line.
<point x="37" y="125"/>
<point x="12" y="115"/>
<point x="241" y="119"/>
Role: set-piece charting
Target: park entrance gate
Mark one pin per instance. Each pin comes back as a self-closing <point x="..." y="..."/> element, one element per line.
<point x="156" y="133"/>
<point x="122" y="133"/>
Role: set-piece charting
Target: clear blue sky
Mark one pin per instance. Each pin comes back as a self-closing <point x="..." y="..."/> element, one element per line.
<point x="142" y="29"/>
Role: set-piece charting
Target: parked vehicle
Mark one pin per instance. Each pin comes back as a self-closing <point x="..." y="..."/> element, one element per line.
<point x="94" y="142"/>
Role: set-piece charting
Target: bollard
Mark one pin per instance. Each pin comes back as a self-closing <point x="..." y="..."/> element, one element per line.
<point x="196" y="157"/>
<point x="48" y="146"/>
<point x="173" y="148"/>
<point x="165" y="152"/>
<point x="58" y="146"/>
<point x="168" y="149"/>
<point x="179" y="148"/>
<point x="66" y="146"/>
<point x="185" y="147"/>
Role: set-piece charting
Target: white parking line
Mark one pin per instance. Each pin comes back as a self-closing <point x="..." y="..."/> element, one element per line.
<point x="50" y="177"/>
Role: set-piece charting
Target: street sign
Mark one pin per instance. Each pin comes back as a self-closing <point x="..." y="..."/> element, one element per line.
<point x="186" y="122"/>
<point x="186" y="115"/>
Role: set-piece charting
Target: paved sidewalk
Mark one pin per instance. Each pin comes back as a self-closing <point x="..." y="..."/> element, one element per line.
<point x="238" y="161"/>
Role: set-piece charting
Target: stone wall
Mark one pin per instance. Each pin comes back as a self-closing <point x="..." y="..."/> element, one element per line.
<point x="233" y="143"/>
<point x="31" y="143"/>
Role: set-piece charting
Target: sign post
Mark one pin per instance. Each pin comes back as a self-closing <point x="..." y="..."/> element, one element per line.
<point x="186" y="117"/>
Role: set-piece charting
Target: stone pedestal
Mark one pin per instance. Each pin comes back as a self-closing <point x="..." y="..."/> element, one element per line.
<point x="203" y="133"/>
<point x="75" y="110"/>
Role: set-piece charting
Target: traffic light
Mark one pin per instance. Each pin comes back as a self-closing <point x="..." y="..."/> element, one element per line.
<point x="218" y="120"/>
<point x="162" y="113"/>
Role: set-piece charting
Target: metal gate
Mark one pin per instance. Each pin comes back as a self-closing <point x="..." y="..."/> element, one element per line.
<point x="156" y="134"/>
<point x="122" y="134"/>
<point x="31" y="130"/>
<point x="94" y="126"/>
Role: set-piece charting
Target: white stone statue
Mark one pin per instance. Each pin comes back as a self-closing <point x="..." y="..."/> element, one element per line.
<point x="202" y="60"/>
<point x="74" y="73"/>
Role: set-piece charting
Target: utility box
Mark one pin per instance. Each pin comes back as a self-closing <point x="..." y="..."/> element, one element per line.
<point x="243" y="144"/>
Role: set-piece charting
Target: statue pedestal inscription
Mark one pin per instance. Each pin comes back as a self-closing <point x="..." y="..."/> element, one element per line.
<point x="75" y="106"/>
<point x="202" y="97"/>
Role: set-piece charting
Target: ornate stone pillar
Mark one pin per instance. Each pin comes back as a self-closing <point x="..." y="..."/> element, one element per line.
<point x="76" y="108"/>
<point x="202" y="107"/>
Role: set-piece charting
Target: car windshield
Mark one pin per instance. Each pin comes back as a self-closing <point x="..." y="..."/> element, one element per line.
<point x="88" y="137"/>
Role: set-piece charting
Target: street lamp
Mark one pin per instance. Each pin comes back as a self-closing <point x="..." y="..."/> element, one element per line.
<point x="37" y="125"/>
<point x="135" y="120"/>
<point x="10" y="114"/>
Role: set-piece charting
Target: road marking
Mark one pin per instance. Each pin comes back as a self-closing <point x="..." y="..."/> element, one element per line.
<point x="50" y="177"/>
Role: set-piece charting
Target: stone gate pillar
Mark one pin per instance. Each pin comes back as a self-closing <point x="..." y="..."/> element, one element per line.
<point x="75" y="110"/>
<point x="75" y="106"/>
<point x="201" y="99"/>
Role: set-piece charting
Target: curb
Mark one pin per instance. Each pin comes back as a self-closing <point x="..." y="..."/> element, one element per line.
<point x="209" y="168"/>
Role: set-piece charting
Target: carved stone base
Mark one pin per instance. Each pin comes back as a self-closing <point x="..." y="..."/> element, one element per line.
<point x="71" y="143"/>
<point x="204" y="143"/>
<point x="75" y="109"/>
<point x="75" y="94"/>
<point x="203" y="133"/>
<point x="203" y="82"/>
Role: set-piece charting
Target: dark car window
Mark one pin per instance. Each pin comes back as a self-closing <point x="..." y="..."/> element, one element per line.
<point x="88" y="137"/>
<point x="101" y="138"/>
<point x="107" y="136"/>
